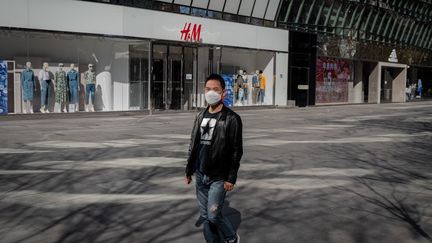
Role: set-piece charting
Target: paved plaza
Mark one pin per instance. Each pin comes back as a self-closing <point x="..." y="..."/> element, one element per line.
<point x="348" y="174"/>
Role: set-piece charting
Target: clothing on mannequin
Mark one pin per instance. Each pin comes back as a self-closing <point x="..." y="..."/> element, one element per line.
<point x="256" y="87"/>
<point x="28" y="84"/>
<point x="72" y="78"/>
<point x="262" y="79"/>
<point x="245" y="88"/>
<point x="61" y="88"/>
<point x="419" y="88"/>
<point x="238" y="87"/>
<point x="45" y="83"/>
<point x="90" y="84"/>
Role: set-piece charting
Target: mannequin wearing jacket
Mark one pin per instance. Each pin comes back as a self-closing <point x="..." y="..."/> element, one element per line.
<point x="72" y="78"/>
<point x="45" y="83"/>
<point x="28" y="84"/>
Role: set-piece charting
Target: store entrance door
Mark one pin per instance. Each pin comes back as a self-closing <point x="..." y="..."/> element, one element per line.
<point x="300" y="85"/>
<point x="172" y="79"/>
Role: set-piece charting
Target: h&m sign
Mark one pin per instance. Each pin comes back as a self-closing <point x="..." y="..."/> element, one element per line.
<point x="191" y="32"/>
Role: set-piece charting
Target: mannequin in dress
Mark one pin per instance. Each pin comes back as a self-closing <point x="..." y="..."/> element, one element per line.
<point x="61" y="88"/>
<point x="28" y="84"/>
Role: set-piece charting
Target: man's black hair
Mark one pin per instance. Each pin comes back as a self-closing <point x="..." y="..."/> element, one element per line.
<point x="260" y="71"/>
<point x="217" y="77"/>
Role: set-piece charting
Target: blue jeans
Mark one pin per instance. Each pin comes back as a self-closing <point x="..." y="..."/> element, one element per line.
<point x="211" y="197"/>
<point x="45" y="92"/>
<point x="90" y="91"/>
<point x="73" y="92"/>
<point x="261" y="95"/>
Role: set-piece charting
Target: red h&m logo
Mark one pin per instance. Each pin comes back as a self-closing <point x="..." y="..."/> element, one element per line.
<point x="193" y="35"/>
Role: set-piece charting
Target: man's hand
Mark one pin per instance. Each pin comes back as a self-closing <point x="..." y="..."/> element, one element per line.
<point x="188" y="179"/>
<point x="228" y="186"/>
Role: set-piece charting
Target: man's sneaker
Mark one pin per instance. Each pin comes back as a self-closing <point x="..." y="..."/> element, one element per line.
<point x="236" y="240"/>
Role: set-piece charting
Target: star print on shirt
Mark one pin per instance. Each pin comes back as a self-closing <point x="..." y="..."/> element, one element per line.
<point x="207" y="128"/>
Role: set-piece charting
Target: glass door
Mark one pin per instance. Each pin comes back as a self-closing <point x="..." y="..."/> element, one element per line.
<point x="300" y="85"/>
<point x="174" y="76"/>
<point x="159" y="85"/>
<point x="189" y="76"/>
<point x="138" y="73"/>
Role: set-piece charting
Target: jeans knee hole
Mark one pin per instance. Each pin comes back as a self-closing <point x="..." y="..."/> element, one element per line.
<point x="214" y="208"/>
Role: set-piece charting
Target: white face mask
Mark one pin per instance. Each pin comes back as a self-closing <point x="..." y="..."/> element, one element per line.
<point x="213" y="97"/>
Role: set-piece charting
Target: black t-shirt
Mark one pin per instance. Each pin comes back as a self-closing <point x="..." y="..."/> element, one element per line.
<point x="206" y="133"/>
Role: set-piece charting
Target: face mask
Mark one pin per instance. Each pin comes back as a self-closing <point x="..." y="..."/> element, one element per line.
<point x="213" y="97"/>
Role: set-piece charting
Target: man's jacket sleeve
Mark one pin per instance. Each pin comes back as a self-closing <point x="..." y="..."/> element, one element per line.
<point x="235" y="131"/>
<point x="189" y="167"/>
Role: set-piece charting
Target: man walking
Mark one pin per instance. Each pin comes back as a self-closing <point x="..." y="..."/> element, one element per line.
<point x="214" y="155"/>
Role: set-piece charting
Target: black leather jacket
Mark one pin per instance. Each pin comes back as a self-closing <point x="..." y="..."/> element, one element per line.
<point x="225" y="150"/>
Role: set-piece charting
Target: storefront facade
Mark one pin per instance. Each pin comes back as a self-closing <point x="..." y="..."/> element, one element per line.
<point x="143" y="59"/>
<point x="351" y="72"/>
<point x="330" y="70"/>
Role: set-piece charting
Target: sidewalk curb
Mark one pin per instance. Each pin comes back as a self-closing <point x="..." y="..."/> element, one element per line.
<point x="107" y="114"/>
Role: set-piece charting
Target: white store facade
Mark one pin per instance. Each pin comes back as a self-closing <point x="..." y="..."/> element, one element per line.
<point x="144" y="59"/>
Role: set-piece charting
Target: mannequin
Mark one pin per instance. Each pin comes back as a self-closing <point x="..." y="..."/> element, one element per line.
<point x="262" y="79"/>
<point x="239" y="86"/>
<point x="45" y="83"/>
<point x="73" y="85"/>
<point x="104" y="90"/>
<point x="61" y="88"/>
<point x="245" y="87"/>
<point x="419" y="88"/>
<point x="90" y="84"/>
<point x="256" y="87"/>
<point x="28" y="85"/>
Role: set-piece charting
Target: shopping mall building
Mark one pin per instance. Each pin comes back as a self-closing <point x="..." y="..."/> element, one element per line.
<point x="157" y="54"/>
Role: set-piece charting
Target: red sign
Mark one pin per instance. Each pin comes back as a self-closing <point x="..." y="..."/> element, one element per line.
<point x="188" y="34"/>
<point x="332" y="77"/>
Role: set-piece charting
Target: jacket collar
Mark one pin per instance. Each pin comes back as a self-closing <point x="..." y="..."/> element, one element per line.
<point x="222" y="114"/>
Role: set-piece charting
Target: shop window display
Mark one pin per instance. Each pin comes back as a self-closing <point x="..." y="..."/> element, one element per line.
<point x="244" y="87"/>
<point x="332" y="80"/>
<point x="50" y="71"/>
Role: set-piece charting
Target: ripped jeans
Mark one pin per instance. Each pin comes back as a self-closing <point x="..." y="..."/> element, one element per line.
<point x="211" y="197"/>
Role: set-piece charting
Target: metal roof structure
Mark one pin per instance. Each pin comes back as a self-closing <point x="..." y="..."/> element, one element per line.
<point x="391" y="22"/>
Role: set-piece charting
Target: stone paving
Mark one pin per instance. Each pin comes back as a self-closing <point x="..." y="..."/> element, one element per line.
<point x="356" y="173"/>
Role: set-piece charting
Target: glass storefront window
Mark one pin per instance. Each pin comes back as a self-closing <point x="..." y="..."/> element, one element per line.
<point x="139" y="76"/>
<point x="119" y="71"/>
<point x="332" y="80"/>
<point x="248" y="75"/>
<point x="119" y="74"/>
